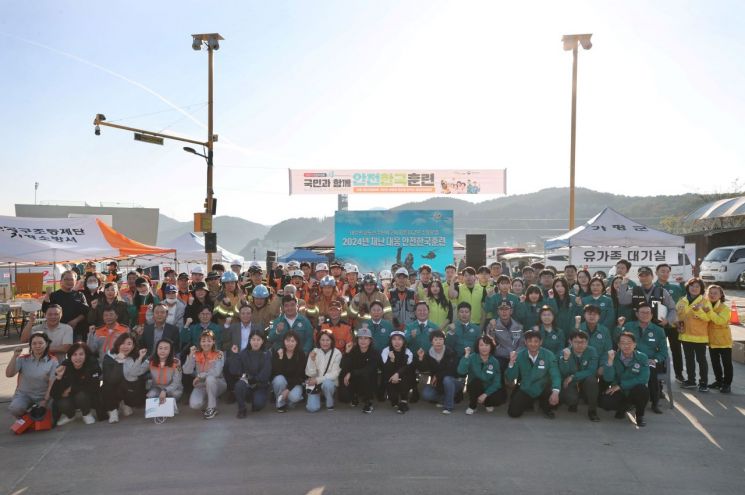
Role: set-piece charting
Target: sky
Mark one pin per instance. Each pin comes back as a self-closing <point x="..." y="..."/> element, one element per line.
<point x="368" y="85"/>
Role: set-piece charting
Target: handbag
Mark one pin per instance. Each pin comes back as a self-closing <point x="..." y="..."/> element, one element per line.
<point x="154" y="409"/>
<point x="317" y="388"/>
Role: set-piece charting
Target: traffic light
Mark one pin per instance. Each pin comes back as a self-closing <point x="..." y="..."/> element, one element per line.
<point x="210" y="242"/>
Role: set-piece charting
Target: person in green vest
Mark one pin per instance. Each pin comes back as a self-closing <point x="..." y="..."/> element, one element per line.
<point x="650" y="340"/>
<point x="440" y="308"/>
<point x="599" y="336"/>
<point x="628" y="375"/>
<point x="472" y="293"/>
<point x="492" y="301"/>
<point x="422" y="284"/>
<point x="598" y="298"/>
<point x="676" y="291"/>
<point x="484" y="376"/>
<point x="564" y="304"/>
<point x="451" y="281"/>
<point x="291" y="319"/>
<point x="528" y="310"/>
<point x="537" y="374"/>
<point x="553" y="338"/>
<point x="484" y="279"/>
<point x="578" y="365"/>
<point x="462" y="333"/>
<point x="381" y="330"/>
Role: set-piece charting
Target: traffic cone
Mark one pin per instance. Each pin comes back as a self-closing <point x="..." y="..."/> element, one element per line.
<point x="734" y="318"/>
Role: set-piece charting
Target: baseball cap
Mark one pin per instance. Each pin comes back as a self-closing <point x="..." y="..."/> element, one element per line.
<point x="364" y="332"/>
<point x="198" y="269"/>
<point x="402" y="271"/>
<point x="644" y="270"/>
<point x="169" y="288"/>
<point x="183" y="276"/>
<point x="213" y="275"/>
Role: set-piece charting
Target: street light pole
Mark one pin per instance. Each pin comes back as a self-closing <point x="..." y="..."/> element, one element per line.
<point x="574" y="138"/>
<point x="210" y="148"/>
<point x="212" y="40"/>
<point x="572" y="42"/>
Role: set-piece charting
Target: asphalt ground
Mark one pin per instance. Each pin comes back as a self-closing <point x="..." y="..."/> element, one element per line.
<point x="696" y="448"/>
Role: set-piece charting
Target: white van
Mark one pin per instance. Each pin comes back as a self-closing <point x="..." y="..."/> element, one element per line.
<point x="724" y="265"/>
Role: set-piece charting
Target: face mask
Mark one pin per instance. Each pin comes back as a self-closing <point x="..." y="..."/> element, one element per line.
<point x="92" y="286"/>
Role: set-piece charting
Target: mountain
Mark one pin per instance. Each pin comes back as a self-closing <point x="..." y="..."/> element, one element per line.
<point x="232" y="232"/>
<point x="511" y="220"/>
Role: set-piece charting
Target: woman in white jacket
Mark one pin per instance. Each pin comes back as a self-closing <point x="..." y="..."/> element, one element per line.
<point x="209" y="383"/>
<point x="323" y="372"/>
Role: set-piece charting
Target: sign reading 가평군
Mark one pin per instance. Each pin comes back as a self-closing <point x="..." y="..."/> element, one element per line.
<point x="374" y="240"/>
<point x="398" y="181"/>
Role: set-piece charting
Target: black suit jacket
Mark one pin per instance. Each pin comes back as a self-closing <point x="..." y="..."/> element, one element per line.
<point x="170" y="332"/>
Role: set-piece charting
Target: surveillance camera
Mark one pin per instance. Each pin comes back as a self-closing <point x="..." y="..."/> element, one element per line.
<point x="97" y="131"/>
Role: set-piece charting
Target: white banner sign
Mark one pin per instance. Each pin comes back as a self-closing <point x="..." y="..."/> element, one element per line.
<point x="638" y="256"/>
<point x="368" y="181"/>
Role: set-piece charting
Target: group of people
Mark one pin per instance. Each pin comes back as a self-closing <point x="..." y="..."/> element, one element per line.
<point x="326" y="333"/>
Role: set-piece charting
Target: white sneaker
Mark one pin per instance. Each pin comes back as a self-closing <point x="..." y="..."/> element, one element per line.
<point x="114" y="416"/>
<point x="439" y="405"/>
<point x="63" y="420"/>
<point x="280" y="402"/>
<point x="89" y="419"/>
<point x="446" y="411"/>
<point x="470" y="411"/>
<point x="489" y="409"/>
<point x="126" y="410"/>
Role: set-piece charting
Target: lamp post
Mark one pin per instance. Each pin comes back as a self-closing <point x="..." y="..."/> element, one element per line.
<point x="572" y="42"/>
<point x="212" y="42"/>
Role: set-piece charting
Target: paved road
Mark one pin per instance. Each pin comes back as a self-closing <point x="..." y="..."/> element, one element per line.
<point x="694" y="449"/>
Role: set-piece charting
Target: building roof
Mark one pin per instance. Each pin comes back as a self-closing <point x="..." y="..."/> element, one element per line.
<point x="722" y="208"/>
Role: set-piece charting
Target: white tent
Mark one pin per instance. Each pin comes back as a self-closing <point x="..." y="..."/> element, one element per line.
<point x="190" y="250"/>
<point x="610" y="229"/>
<point x="48" y="240"/>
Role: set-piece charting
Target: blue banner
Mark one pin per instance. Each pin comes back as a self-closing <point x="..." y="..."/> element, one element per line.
<point x="375" y="240"/>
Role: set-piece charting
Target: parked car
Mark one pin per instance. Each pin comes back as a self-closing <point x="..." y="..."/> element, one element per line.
<point x="725" y="265"/>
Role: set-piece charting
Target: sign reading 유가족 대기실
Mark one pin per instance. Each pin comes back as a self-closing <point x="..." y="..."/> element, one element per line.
<point x="374" y="240"/>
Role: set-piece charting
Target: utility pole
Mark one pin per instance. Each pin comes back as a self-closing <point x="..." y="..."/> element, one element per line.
<point x="572" y="42"/>
<point x="212" y="42"/>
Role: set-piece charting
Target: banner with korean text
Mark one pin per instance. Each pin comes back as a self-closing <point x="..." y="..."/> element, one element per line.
<point x="398" y="181"/>
<point x="638" y="256"/>
<point x="375" y="240"/>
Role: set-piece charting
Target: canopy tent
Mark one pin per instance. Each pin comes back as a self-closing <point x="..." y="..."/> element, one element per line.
<point x="731" y="207"/>
<point x="303" y="255"/>
<point x="189" y="249"/>
<point x="325" y="242"/>
<point x="610" y="228"/>
<point x="60" y="240"/>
